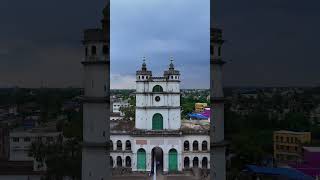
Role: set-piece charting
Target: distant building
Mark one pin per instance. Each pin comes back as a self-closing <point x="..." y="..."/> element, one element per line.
<point x="199" y="107"/>
<point x="116" y="106"/>
<point x="287" y="145"/>
<point x="21" y="140"/>
<point x="115" y="116"/>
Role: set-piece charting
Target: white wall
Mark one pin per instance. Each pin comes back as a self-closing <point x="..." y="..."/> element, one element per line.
<point x="171" y="118"/>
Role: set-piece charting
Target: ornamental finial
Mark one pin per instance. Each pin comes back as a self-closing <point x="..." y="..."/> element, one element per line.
<point x="144" y="65"/>
<point x="171" y="64"/>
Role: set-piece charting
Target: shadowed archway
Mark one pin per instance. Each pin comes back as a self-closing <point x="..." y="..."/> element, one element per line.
<point x="157" y="157"/>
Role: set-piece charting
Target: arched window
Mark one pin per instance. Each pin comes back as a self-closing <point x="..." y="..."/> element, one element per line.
<point x="128" y="161"/>
<point x="105" y="49"/>
<point x="111" y="145"/>
<point x="119" y="161"/>
<point x="195" y="146"/>
<point x="93" y="50"/>
<point x="186" y="162"/>
<point x="186" y="146"/>
<point x="157" y="88"/>
<point x="157" y="122"/>
<point x="111" y="162"/>
<point x="205" y="162"/>
<point x="119" y="145"/>
<point x="128" y="145"/>
<point x="195" y="162"/>
<point x="204" y="146"/>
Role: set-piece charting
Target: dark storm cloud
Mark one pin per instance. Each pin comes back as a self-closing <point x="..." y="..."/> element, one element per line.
<point x="40" y="41"/>
<point x="270" y="42"/>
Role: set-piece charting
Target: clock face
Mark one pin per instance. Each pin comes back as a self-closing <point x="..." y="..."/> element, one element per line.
<point x="157" y="98"/>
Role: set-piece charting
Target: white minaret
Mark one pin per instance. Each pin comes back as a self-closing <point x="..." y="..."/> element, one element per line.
<point x="218" y="145"/>
<point x="158" y="100"/>
<point x="95" y="157"/>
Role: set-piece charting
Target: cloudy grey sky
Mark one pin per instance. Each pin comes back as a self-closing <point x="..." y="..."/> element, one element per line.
<point x="159" y="29"/>
<point x="269" y="42"/>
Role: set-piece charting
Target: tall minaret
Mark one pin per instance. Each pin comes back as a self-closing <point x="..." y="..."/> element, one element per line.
<point x="218" y="145"/>
<point x="95" y="157"/>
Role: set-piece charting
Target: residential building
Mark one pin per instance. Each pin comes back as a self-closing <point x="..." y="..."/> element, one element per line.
<point x="288" y="144"/>
<point x="199" y="107"/>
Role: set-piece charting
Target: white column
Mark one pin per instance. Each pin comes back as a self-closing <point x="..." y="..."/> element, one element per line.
<point x="165" y="161"/>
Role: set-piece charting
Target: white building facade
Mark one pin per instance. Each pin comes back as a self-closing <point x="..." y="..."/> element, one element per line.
<point x="157" y="137"/>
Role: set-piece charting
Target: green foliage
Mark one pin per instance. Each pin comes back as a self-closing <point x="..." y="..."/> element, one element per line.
<point x="72" y="128"/>
<point x="129" y="112"/>
<point x="63" y="158"/>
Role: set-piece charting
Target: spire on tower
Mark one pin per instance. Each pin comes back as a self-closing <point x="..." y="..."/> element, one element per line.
<point x="106" y="20"/>
<point x="144" y="70"/>
<point x="171" y="66"/>
<point x="144" y="65"/>
<point x="171" y="70"/>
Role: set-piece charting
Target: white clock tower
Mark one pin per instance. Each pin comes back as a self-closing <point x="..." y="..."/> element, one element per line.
<point x="158" y="100"/>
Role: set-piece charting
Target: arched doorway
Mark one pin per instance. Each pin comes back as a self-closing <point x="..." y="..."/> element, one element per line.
<point x="157" y="157"/>
<point x="186" y="163"/>
<point x="157" y="122"/>
<point x="141" y="160"/>
<point x="205" y="162"/>
<point x="128" y="161"/>
<point x="195" y="162"/>
<point x="119" y="161"/>
<point x="173" y="160"/>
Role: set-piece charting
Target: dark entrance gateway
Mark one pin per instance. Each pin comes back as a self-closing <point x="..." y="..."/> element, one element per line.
<point x="157" y="160"/>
